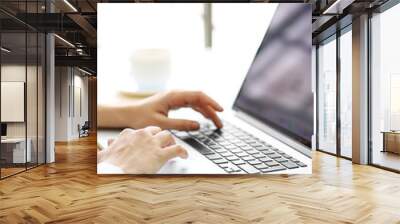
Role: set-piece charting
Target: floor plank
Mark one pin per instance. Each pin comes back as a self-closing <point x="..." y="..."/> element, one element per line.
<point x="69" y="191"/>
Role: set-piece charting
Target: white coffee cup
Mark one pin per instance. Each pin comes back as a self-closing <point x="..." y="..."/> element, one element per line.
<point x="151" y="69"/>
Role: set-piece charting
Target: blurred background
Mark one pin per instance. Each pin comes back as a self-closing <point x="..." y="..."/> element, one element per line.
<point x="198" y="47"/>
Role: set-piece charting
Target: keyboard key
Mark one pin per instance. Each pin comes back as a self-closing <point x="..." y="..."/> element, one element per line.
<point x="194" y="133"/>
<point x="274" y="156"/>
<point x="226" y="154"/>
<point x="236" y="150"/>
<point x="181" y="134"/>
<point x="221" y="150"/>
<point x="258" y="156"/>
<point x="212" y="144"/>
<point x="301" y="164"/>
<point x="225" y="143"/>
<point x="252" y="152"/>
<point x="231" y="168"/>
<point x="285" y="155"/>
<point x="240" y="144"/>
<point x="213" y="156"/>
<point x="234" y="140"/>
<point x="215" y="147"/>
<point x="199" y="147"/>
<point x="228" y="136"/>
<point x="220" y="160"/>
<point x="256" y="144"/>
<point x="272" y="163"/>
<point x="230" y="147"/>
<point x="261" y="166"/>
<point x="268" y="152"/>
<point x="206" y="141"/>
<point x="242" y="137"/>
<point x="232" y="158"/>
<point x="249" y="141"/>
<point x="248" y="169"/>
<point x="214" y="136"/>
<point x="272" y="169"/>
<point x="247" y="158"/>
<point x="281" y="160"/>
<point x="241" y="154"/>
<point x="265" y="159"/>
<point x="246" y="148"/>
<point x="238" y="162"/>
<point x="207" y="132"/>
<point x="290" y="165"/>
<point x="201" y="138"/>
<point x="260" y="148"/>
<point x="254" y="162"/>
<point x="223" y="165"/>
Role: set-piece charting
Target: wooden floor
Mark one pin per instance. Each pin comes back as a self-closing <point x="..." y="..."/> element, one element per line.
<point x="10" y="171"/>
<point x="386" y="159"/>
<point x="69" y="191"/>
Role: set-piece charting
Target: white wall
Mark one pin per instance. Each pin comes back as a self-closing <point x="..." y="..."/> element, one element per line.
<point x="62" y="81"/>
<point x="69" y="82"/>
<point x="82" y="83"/>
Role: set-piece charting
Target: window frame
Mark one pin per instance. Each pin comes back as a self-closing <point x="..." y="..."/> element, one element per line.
<point x="333" y="37"/>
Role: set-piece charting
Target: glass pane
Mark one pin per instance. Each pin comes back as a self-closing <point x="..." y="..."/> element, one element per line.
<point x="31" y="100"/>
<point x="385" y="84"/>
<point x="346" y="94"/>
<point x="41" y="98"/>
<point x="327" y="96"/>
<point x="32" y="89"/>
<point x="13" y="87"/>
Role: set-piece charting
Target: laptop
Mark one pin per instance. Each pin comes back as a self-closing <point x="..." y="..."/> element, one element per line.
<point x="270" y="127"/>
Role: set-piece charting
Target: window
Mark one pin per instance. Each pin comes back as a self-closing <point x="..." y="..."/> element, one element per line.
<point x="327" y="96"/>
<point x="22" y="87"/>
<point x="385" y="89"/>
<point x="346" y="75"/>
<point x="334" y="106"/>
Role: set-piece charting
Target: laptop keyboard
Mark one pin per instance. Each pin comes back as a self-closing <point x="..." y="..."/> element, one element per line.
<point x="237" y="151"/>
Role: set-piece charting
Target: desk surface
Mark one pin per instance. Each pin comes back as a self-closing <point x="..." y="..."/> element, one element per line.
<point x="390" y="132"/>
<point x="13" y="140"/>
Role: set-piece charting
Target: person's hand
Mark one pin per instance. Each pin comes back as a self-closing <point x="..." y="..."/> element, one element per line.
<point x="154" y="110"/>
<point x="142" y="151"/>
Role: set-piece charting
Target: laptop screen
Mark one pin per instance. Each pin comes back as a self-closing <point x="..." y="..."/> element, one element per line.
<point x="278" y="88"/>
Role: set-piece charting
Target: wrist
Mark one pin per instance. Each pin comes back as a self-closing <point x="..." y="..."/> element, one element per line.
<point x="118" y="116"/>
<point x="128" y="116"/>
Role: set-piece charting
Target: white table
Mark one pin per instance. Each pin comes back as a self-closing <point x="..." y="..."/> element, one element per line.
<point x="19" y="153"/>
